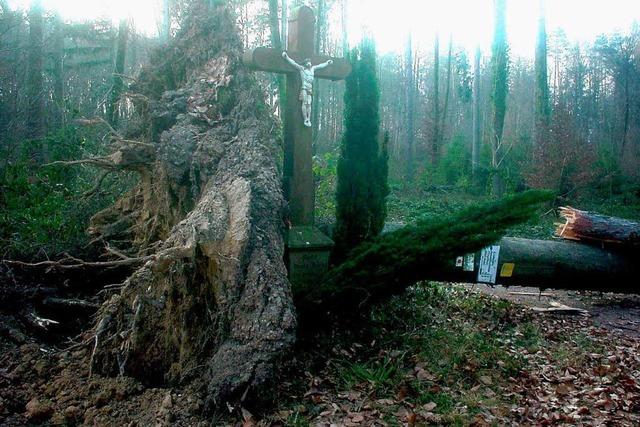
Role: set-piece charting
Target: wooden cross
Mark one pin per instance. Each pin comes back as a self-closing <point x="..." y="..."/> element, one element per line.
<point x="298" y="182"/>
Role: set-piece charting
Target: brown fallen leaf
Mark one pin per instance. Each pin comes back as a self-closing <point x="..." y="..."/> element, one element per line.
<point x="429" y="407"/>
<point x="486" y="380"/>
<point x="563" y="390"/>
<point x="357" y="418"/>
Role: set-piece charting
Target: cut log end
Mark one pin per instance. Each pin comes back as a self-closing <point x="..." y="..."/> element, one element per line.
<point x="598" y="229"/>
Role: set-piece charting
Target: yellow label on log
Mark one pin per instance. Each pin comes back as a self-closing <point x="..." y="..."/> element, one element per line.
<point x="507" y="269"/>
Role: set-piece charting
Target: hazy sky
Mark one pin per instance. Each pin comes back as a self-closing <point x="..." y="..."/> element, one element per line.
<point x="470" y="21"/>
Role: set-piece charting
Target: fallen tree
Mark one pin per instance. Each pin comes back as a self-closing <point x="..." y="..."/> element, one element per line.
<point x="599" y="229"/>
<point x="556" y="264"/>
<point x="392" y="262"/>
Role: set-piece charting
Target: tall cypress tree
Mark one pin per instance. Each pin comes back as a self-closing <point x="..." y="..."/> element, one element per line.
<point x="362" y="168"/>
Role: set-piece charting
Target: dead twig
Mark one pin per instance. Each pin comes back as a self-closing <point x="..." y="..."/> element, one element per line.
<point x="71" y="263"/>
<point x="103" y="162"/>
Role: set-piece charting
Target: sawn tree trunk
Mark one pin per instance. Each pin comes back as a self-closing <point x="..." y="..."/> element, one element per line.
<point x="555" y="264"/>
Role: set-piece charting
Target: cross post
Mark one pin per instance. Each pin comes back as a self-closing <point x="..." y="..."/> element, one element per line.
<point x="307" y="250"/>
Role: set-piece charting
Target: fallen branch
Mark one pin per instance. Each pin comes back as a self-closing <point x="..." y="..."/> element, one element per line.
<point x="531" y="294"/>
<point x="97" y="121"/>
<point x="557" y="308"/>
<point x="42" y="322"/>
<point x="66" y="304"/>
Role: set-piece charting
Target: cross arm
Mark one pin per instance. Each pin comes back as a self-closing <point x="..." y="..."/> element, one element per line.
<point x="268" y="59"/>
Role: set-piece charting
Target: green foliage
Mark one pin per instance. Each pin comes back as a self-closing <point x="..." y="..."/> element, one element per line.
<point x="455" y="165"/>
<point x="325" y="171"/>
<point x="362" y="168"/>
<point x="41" y="211"/>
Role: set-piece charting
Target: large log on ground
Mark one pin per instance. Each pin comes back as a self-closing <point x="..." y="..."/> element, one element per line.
<point x="555" y="264"/>
<point x="596" y="228"/>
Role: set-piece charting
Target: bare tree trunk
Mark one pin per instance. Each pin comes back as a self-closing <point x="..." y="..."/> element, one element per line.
<point x="447" y="92"/>
<point x="598" y="229"/>
<point x="113" y="113"/>
<point x="475" y="147"/>
<point x="35" y="85"/>
<point x="625" y="119"/>
<point x="276" y="43"/>
<point x="435" y="138"/>
<point x="500" y="60"/>
<point x="165" y="31"/>
<point x="541" y="88"/>
<point x="344" y="22"/>
<point x="58" y="72"/>
<point x="554" y="264"/>
<point x="410" y="111"/>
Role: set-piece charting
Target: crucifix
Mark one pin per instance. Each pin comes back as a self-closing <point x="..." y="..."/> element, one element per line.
<point x="307" y="249"/>
<point x="301" y="66"/>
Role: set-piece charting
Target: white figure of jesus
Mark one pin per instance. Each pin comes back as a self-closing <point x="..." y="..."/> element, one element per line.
<point x="307" y="75"/>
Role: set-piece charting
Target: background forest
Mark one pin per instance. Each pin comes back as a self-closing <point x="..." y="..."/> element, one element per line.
<point x="461" y="125"/>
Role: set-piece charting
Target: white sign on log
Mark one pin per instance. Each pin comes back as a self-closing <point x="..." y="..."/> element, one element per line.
<point x="488" y="269"/>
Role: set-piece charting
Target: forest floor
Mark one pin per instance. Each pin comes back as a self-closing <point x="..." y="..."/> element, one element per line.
<point x="439" y="354"/>
<point x="446" y="354"/>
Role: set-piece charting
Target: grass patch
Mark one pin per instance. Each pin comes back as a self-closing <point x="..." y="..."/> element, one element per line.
<point x="380" y="375"/>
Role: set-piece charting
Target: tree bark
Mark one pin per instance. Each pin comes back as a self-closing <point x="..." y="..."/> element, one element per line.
<point x="556" y="264"/>
<point x="212" y="306"/>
